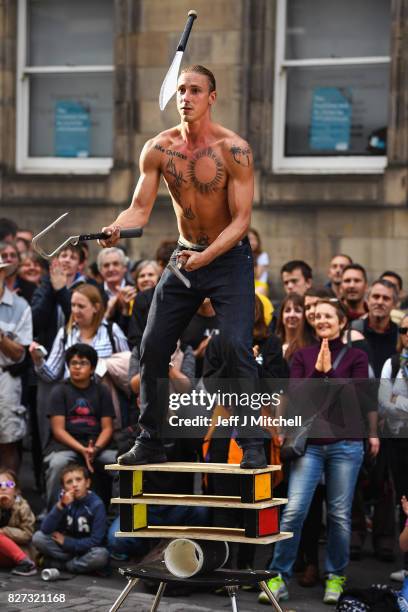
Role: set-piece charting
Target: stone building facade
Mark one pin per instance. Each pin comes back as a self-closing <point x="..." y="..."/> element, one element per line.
<point x="309" y="213"/>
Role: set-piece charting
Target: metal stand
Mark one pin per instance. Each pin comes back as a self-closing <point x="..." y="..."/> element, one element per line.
<point x="119" y="601"/>
<point x="232" y="592"/>
<point x="158" y="597"/>
<point x="270" y="595"/>
<point x="231" y="580"/>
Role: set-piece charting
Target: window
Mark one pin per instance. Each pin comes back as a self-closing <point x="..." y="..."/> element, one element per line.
<point x="331" y="85"/>
<point x="65" y="86"/>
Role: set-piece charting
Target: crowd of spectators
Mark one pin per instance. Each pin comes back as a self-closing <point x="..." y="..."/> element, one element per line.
<point x="70" y="337"/>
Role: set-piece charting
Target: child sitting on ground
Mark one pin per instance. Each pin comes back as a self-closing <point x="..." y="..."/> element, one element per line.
<point x="72" y="534"/>
<point x="16" y="527"/>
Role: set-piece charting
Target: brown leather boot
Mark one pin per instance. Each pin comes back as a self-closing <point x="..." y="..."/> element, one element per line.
<point x="310" y="576"/>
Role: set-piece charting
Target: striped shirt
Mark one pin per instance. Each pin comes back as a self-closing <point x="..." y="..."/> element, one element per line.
<point x="16" y="320"/>
<point x="54" y="368"/>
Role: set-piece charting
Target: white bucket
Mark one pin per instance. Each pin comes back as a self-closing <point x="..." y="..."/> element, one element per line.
<point x="186" y="558"/>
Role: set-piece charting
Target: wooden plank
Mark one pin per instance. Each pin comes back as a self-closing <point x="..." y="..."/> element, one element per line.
<point x="203" y="533"/>
<point x="212" y="501"/>
<point x="182" y="466"/>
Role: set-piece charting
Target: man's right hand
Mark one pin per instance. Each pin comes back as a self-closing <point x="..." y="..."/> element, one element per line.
<point x="200" y="350"/>
<point x="114" y="236"/>
<point x="58" y="277"/>
<point x="66" y="499"/>
<point x="88" y="454"/>
<point x="35" y="355"/>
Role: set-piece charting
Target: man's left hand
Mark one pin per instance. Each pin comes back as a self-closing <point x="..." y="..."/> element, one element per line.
<point x="191" y="260"/>
<point x="373" y="446"/>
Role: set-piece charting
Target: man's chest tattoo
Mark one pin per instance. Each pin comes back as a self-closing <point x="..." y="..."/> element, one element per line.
<point x="205" y="171"/>
<point x="169" y="152"/>
<point x="203" y="240"/>
<point x="188" y="212"/>
<point x="177" y="176"/>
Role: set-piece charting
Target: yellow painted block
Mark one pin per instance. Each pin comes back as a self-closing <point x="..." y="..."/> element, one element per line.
<point x="263" y="488"/>
<point x="137" y="485"/>
<point x="139" y="516"/>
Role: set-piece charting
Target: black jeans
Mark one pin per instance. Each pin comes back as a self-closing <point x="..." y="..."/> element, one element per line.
<point x="229" y="282"/>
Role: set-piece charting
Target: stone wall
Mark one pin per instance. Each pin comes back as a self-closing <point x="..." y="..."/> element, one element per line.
<point x="311" y="216"/>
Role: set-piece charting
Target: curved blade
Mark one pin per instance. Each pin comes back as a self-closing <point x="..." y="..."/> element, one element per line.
<point x="176" y="271"/>
<point x="169" y="85"/>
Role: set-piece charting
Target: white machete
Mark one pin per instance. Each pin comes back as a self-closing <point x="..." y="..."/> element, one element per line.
<point x="169" y="85"/>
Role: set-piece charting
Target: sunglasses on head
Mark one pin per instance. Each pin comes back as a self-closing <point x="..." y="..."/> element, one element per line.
<point x="403" y="330"/>
<point x="7" y="484"/>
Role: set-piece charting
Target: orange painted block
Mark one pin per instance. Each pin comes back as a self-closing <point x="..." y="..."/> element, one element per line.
<point x="263" y="487"/>
<point x="256" y="487"/>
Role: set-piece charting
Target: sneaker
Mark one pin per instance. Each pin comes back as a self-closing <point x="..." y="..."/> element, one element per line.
<point x="26" y="567"/>
<point x="119" y="556"/>
<point x="333" y="589"/>
<point x="402" y="603"/>
<point x="399" y="575"/>
<point x="279" y="589"/>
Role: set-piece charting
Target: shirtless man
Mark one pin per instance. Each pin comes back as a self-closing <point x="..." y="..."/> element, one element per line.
<point x="209" y="174"/>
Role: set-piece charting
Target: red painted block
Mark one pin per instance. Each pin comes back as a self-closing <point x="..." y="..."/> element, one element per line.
<point x="268" y="521"/>
<point x="261" y="522"/>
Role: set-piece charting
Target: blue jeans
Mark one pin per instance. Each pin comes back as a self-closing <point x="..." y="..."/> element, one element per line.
<point x="55" y="462"/>
<point x="157" y="515"/>
<point x="340" y="462"/>
<point x="94" y="559"/>
<point x="229" y="282"/>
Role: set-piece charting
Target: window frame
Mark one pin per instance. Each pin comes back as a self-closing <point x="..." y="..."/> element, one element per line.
<point x="339" y="164"/>
<point x="46" y="165"/>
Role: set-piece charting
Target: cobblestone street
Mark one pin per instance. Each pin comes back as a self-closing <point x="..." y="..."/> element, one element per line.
<point x="85" y="593"/>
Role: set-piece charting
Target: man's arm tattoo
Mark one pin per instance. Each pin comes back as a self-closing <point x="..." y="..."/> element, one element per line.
<point x="207" y="162"/>
<point x="242" y="156"/>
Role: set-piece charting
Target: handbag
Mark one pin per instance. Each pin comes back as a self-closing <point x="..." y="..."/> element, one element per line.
<point x="294" y="445"/>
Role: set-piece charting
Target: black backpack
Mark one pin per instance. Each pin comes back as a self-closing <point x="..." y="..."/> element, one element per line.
<point x="377" y="598"/>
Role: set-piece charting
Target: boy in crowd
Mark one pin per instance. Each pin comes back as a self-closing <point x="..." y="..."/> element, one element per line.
<point x="81" y="417"/>
<point x="72" y="534"/>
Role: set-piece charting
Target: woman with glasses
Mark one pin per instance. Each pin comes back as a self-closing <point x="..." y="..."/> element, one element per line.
<point x="393" y="407"/>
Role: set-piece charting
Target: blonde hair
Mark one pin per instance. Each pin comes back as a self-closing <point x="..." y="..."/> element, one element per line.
<point x="400" y="346"/>
<point x="93" y="294"/>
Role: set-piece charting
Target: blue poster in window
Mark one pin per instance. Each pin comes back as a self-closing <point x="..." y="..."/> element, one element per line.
<point x="331" y="119"/>
<point x="72" y="129"/>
